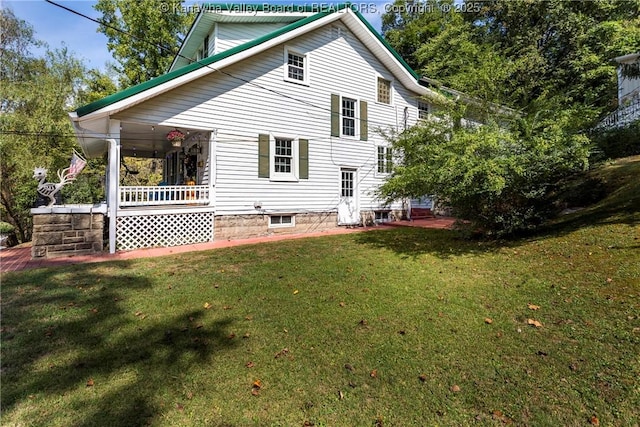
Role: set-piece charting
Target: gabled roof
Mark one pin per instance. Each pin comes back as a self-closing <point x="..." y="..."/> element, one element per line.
<point x="235" y="13"/>
<point x="350" y="17"/>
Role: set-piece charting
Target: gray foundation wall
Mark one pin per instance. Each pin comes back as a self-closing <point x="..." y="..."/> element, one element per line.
<point x="66" y="234"/>
<point x="243" y="226"/>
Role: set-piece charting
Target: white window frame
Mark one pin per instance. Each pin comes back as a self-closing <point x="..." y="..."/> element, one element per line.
<point x="295" y="159"/>
<point x="385" y="161"/>
<point x="378" y="78"/>
<point x="428" y="110"/>
<point x="356" y="117"/>
<point x="305" y="68"/>
<point x="280" y="224"/>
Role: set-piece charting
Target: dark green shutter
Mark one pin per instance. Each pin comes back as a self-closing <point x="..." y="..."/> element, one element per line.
<point x="364" y="121"/>
<point x="303" y="160"/>
<point x="335" y="115"/>
<point x="263" y="155"/>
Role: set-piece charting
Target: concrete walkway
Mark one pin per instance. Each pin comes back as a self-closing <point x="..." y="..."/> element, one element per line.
<point x="18" y="259"/>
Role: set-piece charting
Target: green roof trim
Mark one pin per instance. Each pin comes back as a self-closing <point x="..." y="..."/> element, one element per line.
<point x="139" y="88"/>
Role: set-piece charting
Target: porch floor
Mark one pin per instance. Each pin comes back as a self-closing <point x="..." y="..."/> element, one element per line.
<point x="18" y="259"/>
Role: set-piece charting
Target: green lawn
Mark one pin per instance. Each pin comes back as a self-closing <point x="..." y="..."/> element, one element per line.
<point x="383" y="328"/>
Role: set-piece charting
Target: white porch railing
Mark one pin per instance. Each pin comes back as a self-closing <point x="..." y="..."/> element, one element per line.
<point x="623" y="115"/>
<point x="164" y="195"/>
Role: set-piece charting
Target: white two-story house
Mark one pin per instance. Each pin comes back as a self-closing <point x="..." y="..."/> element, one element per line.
<point x="280" y="109"/>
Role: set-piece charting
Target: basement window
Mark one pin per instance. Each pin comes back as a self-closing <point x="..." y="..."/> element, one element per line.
<point x="281" y="221"/>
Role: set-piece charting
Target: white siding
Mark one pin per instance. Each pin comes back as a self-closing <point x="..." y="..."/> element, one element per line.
<point x="232" y="35"/>
<point x="240" y="111"/>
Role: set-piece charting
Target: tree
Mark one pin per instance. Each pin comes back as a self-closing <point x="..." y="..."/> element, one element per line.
<point x="34" y="126"/>
<point x="143" y="36"/>
<point x="547" y="54"/>
<point x="498" y="180"/>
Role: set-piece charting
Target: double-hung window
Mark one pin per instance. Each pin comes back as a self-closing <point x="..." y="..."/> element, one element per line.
<point x="385" y="160"/>
<point x="296" y="66"/>
<point x="424" y="110"/>
<point x="349" y="116"/>
<point x="283" y="156"/>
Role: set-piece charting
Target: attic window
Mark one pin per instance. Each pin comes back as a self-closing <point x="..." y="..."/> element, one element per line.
<point x="384" y="91"/>
<point x="296" y="67"/>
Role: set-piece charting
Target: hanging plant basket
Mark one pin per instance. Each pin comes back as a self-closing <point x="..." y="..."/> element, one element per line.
<point x="176" y="138"/>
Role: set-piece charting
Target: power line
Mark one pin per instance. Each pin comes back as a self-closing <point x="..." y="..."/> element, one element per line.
<point x="164" y="48"/>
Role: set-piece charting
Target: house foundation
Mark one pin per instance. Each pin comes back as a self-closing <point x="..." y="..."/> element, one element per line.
<point x="228" y="227"/>
<point x="67" y="230"/>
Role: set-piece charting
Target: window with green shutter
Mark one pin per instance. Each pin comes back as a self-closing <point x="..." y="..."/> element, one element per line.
<point x="349" y="117"/>
<point x="283" y="159"/>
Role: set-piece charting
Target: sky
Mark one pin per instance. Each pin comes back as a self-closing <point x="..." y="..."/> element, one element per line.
<point x="60" y="28"/>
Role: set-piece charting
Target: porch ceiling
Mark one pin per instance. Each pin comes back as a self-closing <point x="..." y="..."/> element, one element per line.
<point x="147" y="140"/>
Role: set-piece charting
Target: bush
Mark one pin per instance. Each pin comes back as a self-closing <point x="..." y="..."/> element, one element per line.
<point x="6" y="228"/>
<point x="616" y="143"/>
<point x="501" y="182"/>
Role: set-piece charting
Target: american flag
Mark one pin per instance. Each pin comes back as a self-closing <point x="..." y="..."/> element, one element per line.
<point x="77" y="164"/>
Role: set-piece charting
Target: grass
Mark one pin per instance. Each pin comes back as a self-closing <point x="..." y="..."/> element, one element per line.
<point x="383" y="328"/>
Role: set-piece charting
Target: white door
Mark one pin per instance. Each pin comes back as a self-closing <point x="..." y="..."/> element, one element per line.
<point x="348" y="213"/>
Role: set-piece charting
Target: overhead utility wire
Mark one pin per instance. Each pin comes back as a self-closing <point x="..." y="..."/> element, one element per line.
<point x="164" y="48"/>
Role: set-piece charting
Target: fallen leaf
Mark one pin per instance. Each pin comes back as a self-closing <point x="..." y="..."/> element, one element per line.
<point x="488" y="320"/>
<point x="257" y="384"/>
<point x="340" y="395"/>
<point x="594" y="421"/>
<point x="609" y="280"/>
<point x="255" y="391"/>
<point x="296" y="292"/>
<point x="282" y="352"/>
<point x="207" y="306"/>
<point x="90" y="382"/>
<point x="179" y="406"/>
<point x="231" y="336"/>
<point x="402" y="332"/>
<point x="341" y="304"/>
<point x="455" y="388"/>
<point x="246" y="335"/>
<point x="250" y="365"/>
<point x="374" y="373"/>
<point x="348" y="367"/>
<point x="533" y="306"/>
<point x="534" y="323"/>
<point x="226" y="307"/>
<point x="422" y="377"/>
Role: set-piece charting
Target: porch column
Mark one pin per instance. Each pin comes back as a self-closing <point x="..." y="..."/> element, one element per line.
<point x="113" y="181"/>
<point x="213" y="137"/>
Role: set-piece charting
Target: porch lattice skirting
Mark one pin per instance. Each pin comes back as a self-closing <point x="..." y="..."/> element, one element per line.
<point x="160" y="229"/>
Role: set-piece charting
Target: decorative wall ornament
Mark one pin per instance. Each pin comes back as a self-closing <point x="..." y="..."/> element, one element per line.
<point x="66" y="176"/>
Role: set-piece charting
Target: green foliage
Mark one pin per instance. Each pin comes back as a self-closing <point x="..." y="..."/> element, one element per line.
<point x="616" y="142"/>
<point x="143" y="36"/>
<point x="522" y="53"/>
<point x="35" y="130"/>
<point x="6" y="228"/>
<point x="496" y="179"/>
